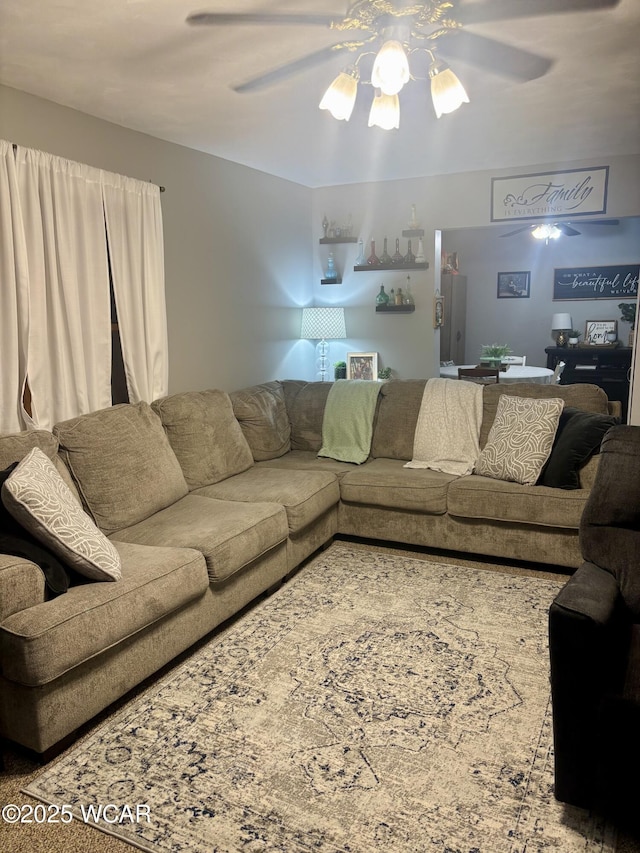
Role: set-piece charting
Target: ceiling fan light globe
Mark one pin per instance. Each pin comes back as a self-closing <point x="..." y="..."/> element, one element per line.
<point x="391" y="68"/>
<point x="385" y="112"/>
<point x="546" y="232"/>
<point x="340" y="97"/>
<point x="447" y="92"/>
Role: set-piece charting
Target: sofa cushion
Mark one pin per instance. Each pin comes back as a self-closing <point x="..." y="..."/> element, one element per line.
<point x="578" y="437"/>
<point x="35" y="494"/>
<point x="387" y="483"/>
<point x="305" y="405"/>
<point x="305" y="495"/>
<point x="14" y="446"/>
<point x="204" y="435"/>
<point x="262" y="414"/>
<point x="307" y="460"/>
<point x="229" y="534"/>
<point x="43" y="642"/>
<point x="588" y="398"/>
<point x="520" y="439"/>
<point x="122" y="463"/>
<point x="501" y="500"/>
<point x="395" y="424"/>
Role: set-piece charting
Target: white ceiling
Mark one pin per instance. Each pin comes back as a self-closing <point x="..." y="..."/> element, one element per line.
<point x="136" y="63"/>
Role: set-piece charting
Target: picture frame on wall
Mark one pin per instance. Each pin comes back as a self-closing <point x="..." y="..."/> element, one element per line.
<point x="514" y="285"/>
<point x="600" y="332"/>
<point x="362" y="365"/>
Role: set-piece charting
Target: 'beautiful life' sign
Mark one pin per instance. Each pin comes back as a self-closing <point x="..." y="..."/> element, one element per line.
<point x="576" y="192"/>
<point x="618" y="282"/>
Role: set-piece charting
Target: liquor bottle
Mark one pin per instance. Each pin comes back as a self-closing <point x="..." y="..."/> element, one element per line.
<point x="385" y="257"/>
<point x="409" y="258"/>
<point x="399" y="296"/>
<point x="397" y="257"/>
<point x="373" y="260"/>
<point x="383" y="297"/>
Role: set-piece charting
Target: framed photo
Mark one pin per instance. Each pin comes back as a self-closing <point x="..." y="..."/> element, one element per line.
<point x="600" y="332"/>
<point x="362" y="365"/>
<point x="514" y="285"/>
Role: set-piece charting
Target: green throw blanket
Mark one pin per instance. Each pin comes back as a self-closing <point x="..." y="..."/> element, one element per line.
<point x="347" y="425"/>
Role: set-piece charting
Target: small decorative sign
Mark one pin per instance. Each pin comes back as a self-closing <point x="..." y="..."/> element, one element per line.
<point x="552" y="195"/>
<point x="600" y="332"/>
<point x="616" y="282"/>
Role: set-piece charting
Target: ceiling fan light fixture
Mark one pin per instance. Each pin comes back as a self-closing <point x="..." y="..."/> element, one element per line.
<point x="390" y="68"/>
<point x="546" y="231"/>
<point x="447" y="92"/>
<point x="340" y="97"/>
<point x="385" y="111"/>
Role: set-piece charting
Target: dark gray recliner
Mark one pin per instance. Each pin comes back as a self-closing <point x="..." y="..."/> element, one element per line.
<point x="594" y="645"/>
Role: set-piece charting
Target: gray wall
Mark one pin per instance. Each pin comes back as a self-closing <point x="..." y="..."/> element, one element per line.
<point x="236" y="243"/>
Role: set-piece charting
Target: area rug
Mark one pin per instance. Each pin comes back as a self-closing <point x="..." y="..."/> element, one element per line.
<point x="376" y="702"/>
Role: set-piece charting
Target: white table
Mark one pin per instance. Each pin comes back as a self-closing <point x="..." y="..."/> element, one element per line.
<point x="515" y="373"/>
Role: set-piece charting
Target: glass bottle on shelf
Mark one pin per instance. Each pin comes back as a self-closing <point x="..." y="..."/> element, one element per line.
<point x="408" y="296"/>
<point x="399" y="296"/>
<point x="392" y="297"/>
<point x="383" y="297"/>
<point x="409" y="258"/>
<point x="385" y="257"/>
<point x="360" y="260"/>
<point x="397" y="257"/>
<point x="331" y="273"/>
<point x="420" y="259"/>
<point x="373" y="260"/>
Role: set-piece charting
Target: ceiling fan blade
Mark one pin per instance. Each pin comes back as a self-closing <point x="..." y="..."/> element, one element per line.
<point x="600" y="222"/>
<point x="518" y="231"/>
<point x="493" y="55"/>
<point x="504" y="10"/>
<point x="284" y="71"/>
<point x="567" y="230"/>
<point x="216" y="18"/>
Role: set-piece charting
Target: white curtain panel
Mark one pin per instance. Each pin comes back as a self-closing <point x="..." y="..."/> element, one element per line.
<point x="69" y="349"/>
<point x="14" y="297"/>
<point x="134" y="230"/>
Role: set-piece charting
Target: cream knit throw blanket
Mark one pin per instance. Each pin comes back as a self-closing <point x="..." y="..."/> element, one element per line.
<point x="448" y="429"/>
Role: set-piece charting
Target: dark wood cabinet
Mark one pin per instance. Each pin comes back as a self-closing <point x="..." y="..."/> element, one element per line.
<point x="608" y="367"/>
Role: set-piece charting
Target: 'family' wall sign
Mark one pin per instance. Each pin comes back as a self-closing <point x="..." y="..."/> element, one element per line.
<point x="553" y="195"/>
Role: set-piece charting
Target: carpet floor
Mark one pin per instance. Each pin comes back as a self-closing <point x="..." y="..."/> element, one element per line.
<point x="382" y="700"/>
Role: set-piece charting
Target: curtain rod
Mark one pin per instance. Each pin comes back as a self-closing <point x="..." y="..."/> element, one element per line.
<point x="15" y="148"/>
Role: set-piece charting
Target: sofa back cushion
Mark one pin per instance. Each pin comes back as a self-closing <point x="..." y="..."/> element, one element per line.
<point x="305" y="403"/>
<point x="122" y="464"/>
<point x="262" y="414"/>
<point x="395" y="424"/>
<point x="204" y="435"/>
<point x="587" y="398"/>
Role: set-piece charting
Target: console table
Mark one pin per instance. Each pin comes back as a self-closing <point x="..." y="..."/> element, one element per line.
<point x="608" y="367"/>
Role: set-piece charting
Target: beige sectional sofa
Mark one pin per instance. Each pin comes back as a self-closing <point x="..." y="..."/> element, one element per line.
<point x="211" y="499"/>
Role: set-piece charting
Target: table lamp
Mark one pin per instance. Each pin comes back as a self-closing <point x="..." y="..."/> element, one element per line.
<point x="321" y="323"/>
<point x="561" y="323"/>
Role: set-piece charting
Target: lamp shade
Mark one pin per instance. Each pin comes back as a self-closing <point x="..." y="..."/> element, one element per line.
<point x="561" y="322"/>
<point x="322" y="323"/>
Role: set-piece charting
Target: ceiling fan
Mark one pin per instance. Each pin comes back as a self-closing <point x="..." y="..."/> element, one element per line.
<point x="430" y="22"/>
<point x="552" y="230"/>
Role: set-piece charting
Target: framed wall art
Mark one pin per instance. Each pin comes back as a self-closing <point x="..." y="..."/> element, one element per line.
<point x="612" y="282"/>
<point x="362" y="365"/>
<point x="600" y="332"/>
<point x="514" y="285"/>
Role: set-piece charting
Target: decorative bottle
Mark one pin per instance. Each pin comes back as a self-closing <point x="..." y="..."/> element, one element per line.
<point x="383" y="297"/>
<point x="408" y="296"/>
<point x="409" y="258"/>
<point x="360" y="260"/>
<point x="399" y="296"/>
<point x="397" y="257"/>
<point x="420" y="253"/>
<point x="392" y="297"/>
<point x="373" y="260"/>
<point x="331" y="273"/>
<point x="385" y="257"/>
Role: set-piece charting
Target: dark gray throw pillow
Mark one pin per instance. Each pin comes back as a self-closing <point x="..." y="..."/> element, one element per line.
<point x="578" y="437"/>
<point x="17" y="541"/>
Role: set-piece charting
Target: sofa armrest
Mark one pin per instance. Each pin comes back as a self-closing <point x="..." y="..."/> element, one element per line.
<point x="589" y="635"/>
<point x="22" y="585"/>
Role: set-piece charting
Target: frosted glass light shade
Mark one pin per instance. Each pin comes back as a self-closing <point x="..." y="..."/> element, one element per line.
<point x="320" y="323"/>
<point x="447" y="92"/>
<point x="391" y="68"/>
<point x="340" y="97"/>
<point x="385" y="112"/>
<point x="546" y="232"/>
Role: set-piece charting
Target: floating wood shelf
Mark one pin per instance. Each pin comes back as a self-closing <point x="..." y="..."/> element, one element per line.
<point x="330" y="281"/>
<point x="395" y="309"/>
<point x="377" y="267"/>
<point x="415" y="232"/>
<point x="338" y="240"/>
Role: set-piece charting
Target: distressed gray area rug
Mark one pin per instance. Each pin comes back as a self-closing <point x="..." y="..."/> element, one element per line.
<point x="375" y="703"/>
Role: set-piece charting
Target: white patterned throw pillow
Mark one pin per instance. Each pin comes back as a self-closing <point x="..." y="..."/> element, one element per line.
<point x="36" y="495"/>
<point x="520" y="439"/>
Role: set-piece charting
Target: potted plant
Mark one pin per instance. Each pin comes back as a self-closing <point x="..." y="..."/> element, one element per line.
<point x="385" y="373"/>
<point x="628" y="315"/>
<point x="492" y="354"/>
<point x="574" y="336"/>
<point x="340" y="370"/>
